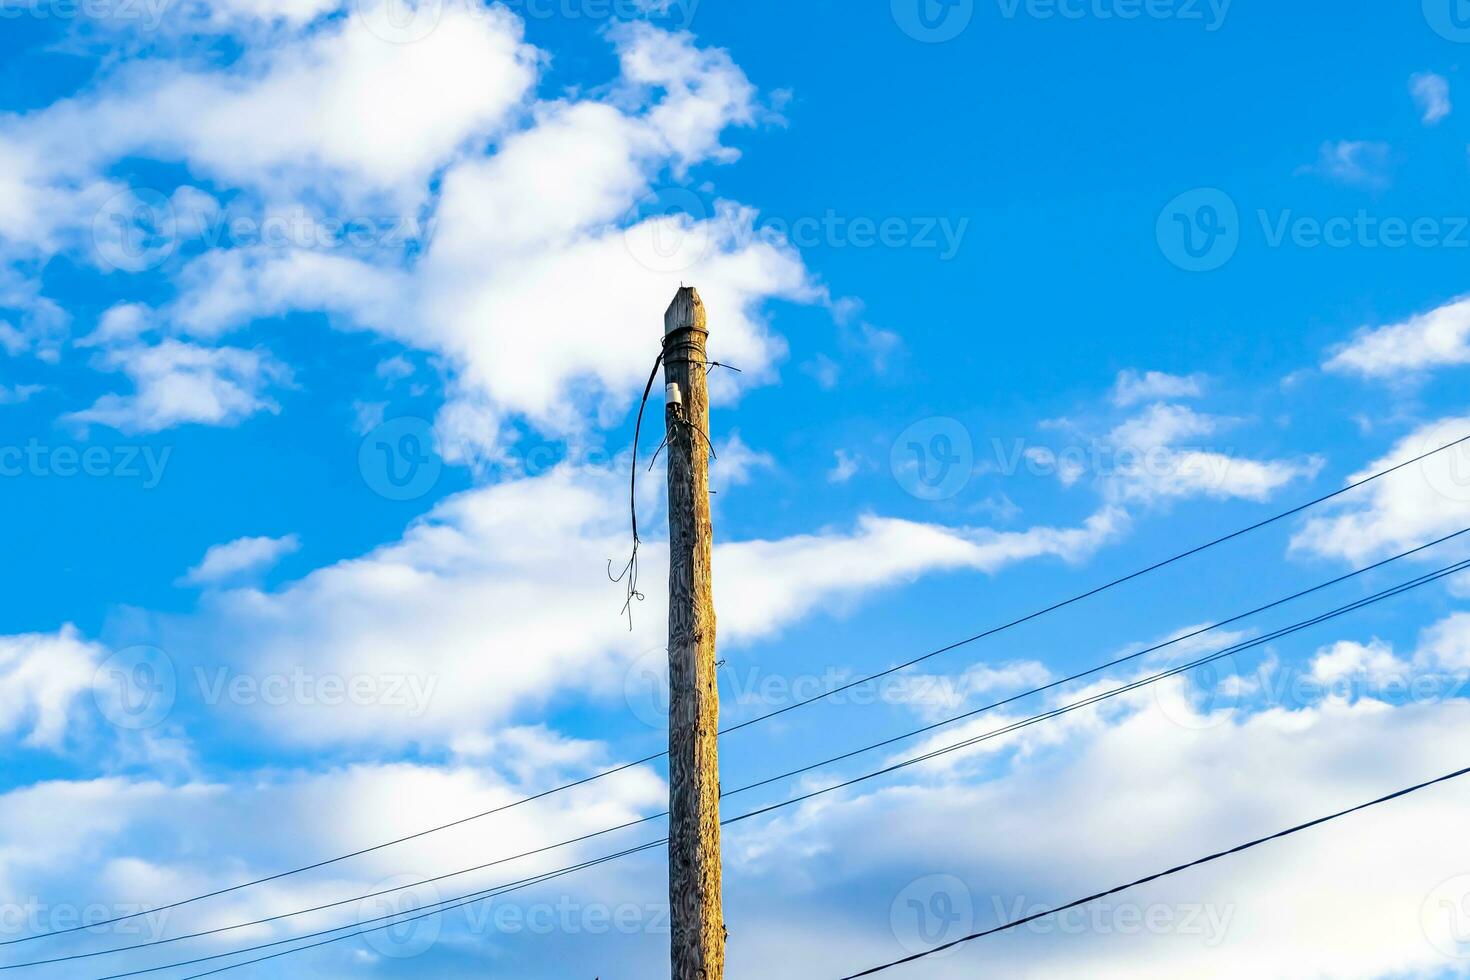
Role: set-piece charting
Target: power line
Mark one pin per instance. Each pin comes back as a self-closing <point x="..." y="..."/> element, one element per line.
<point x="1164" y="874"/>
<point x="805" y="769"/>
<point x="1109" y="665"/>
<point x="1102" y="588"/>
<point x="331" y="905"/>
<point x="1391" y="592"/>
<point x="779" y="711"/>
<point x="433" y="910"/>
<point x="1127" y="688"/>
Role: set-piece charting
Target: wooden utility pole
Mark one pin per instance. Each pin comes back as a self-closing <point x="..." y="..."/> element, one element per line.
<point x="697" y="915"/>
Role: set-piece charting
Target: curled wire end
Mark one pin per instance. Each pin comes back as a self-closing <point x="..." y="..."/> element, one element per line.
<point x="720" y="364"/>
<point x="630" y="570"/>
<point x="630" y="575"/>
<point x="621" y="575"/>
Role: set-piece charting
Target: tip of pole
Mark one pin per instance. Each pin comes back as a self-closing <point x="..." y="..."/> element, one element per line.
<point x="685" y="312"/>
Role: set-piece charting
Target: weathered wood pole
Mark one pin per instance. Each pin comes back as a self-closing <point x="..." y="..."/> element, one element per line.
<point x="697" y="916"/>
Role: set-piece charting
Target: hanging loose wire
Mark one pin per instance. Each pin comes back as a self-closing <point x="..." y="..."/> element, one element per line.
<point x="629" y="573"/>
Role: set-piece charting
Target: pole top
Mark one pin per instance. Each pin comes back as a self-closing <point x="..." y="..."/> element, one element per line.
<point x="686" y="312"/>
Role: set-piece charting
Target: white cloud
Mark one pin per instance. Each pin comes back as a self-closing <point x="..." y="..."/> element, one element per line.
<point x="158" y="842"/>
<point x="29" y="322"/>
<point x="1432" y="95"/>
<point x="1355" y="163"/>
<point x="367" y="416"/>
<point x="41" y="677"/>
<point x="1400" y="511"/>
<point x="768" y="584"/>
<point x="120" y="324"/>
<point x="823" y="370"/>
<point x="395" y="369"/>
<point x="1446" y="644"/>
<point x="482" y="289"/>
<point x="736" y="463"/>
<point x="235" y="558"/>
<point x="1148" y="463"/>
<point x="935" y="697"/>
<point x="339" y="112"/>
<point x="516" y="573"/>
<point x="1373" y="662"/>
<point x="233" y="15"/>
<point x="1102" y="797"/>
<point x="178" y="383"/>
<point x="16" y="394"/>
<point x="1439" y="338"/>
<point x="844" y="467"/>
<point x="1133" y="387"/>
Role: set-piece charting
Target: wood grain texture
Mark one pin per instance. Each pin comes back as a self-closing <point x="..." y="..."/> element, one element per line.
<point x="697" y="916"/>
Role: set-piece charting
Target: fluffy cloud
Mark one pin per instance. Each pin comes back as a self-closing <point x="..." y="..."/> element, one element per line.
<point x="1432" y="95"/>
<point x="16" y="394"/>
<point x="1407" y="508"/>
<point x="497" y="603"/>
<point x="1147" y="459"/>
<point x="1355" y="163"/>
<point x="768" y="584"/>
<point x="41" y="677"/>
<point x="571" y="192"/>
<point x="1439" y="338"/>
<point x="29" y="322"/>
<point x="1133" y="387"/>
<point x="147" y="842"/>
<point x="1092" y="799"/>
<point x="1446" y="644"/>
<point x="1106" y="795"/>
<point x="226" y="561"/>
<point x="1373" y="662"/>
<point x="339" y="112"/>
<point x="178" y="383"/>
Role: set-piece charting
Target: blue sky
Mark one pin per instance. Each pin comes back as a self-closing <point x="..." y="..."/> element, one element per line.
<point x="323" y="328"/>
